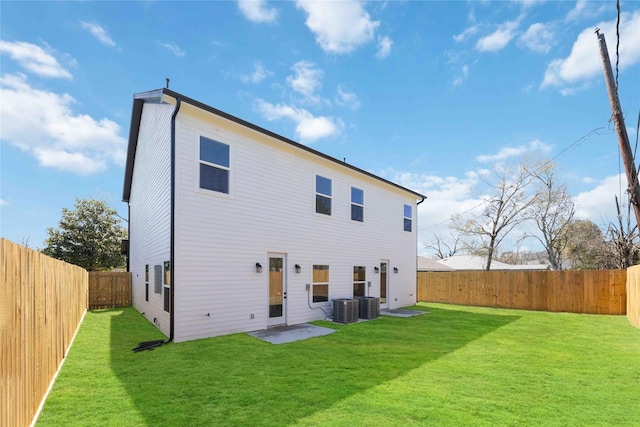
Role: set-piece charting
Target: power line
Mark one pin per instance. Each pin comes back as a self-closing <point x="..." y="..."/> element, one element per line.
<point x="570" y="146"/>
<point x="617" y="41"/>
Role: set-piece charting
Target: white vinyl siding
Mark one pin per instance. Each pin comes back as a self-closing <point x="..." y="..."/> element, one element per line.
<point x="218" y="240"/>
<point x="150" y="214"/>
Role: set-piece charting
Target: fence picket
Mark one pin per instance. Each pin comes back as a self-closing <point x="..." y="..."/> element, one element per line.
<point x="42" y="303"/>
<point x="593" y="291"/>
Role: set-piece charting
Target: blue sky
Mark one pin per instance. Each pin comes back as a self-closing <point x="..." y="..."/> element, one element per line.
<point x="430" y="95"/>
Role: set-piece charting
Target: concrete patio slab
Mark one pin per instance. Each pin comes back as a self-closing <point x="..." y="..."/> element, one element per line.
<point x="401" y="312"/>
<point x="286" y="334"/>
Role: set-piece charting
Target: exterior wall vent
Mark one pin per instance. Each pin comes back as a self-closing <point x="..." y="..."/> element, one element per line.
<point x="345" y="310"/>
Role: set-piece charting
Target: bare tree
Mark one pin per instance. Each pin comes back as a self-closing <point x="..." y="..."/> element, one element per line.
<point x="552" y="209"/>
<point x="25" y="240"/>
<point x="504" y="209"/>
<point x="623" y="241"/>
<point x="445" y="249"/>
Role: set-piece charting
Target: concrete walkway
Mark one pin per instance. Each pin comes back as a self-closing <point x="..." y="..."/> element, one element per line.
<point x="286" y="334"/>
<point x="401" y="312"/>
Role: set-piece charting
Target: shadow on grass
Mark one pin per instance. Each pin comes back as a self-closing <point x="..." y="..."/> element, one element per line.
<point x="240" y="380"/>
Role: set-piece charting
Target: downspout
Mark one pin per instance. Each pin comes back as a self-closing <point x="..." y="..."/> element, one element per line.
<point x="173" y="221"/>
<point x="422" y="200"/>
<point x="128" y="234"/>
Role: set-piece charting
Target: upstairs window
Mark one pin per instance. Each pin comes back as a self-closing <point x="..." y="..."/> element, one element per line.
<point x="323" y="195"/>
<point x="214" y="165"/>
<point x="407" y="217"/>
<point x="357" y="204"/>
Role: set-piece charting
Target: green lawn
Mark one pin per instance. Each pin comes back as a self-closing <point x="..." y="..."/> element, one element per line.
<point x="453" y="366"/>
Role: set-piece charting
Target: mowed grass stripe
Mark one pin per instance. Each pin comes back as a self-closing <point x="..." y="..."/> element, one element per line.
<point x="454" y="366"/>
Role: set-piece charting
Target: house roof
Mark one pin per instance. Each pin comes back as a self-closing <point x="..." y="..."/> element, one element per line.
<point x="158" y="95"/>
<point x="476" y="262"/>
<point x="426" y="264"/>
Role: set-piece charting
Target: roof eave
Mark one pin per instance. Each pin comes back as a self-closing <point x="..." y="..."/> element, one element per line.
<point x="157" y="96"/>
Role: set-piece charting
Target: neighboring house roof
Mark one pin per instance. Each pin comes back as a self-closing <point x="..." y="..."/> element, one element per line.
<point x="476" y="262"/>
<point x="159" y="95"/>
<point x="426" y="264"/>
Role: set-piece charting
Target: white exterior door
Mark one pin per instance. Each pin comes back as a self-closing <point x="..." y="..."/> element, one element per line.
<point x="277" y="299"/>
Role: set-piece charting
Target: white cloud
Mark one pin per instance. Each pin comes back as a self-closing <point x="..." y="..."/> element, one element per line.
<point x="499" y="38"/>
<point x="257" y="11"/>
<point x="70" y="161"/>
<point x="577" y="11"/>
<point x="584" y="62"/>
<point x="34" y="59"/>
<point x="598" y="204"/>
<point x="345" y="98"/>
<point x="384" y="47"/>
<point x="43" y="124"/>
<point x="308" y="127"/>
<point x="339" y="27"/>
<point x="4" y="202"/>
<point x="530" y="3"/>
<point x="99" y="33"/>
<point x="174" y="48"/>
<point x="458" y="38"/>
<point x="538" y="38"/>
<point x="586" y="9"/>
<point x="509" y="152"/>
<point x="446" y="196"/>
<point x="306" y="78"/>
<point x="461" y="76"/>
<point x="259" y="73"/>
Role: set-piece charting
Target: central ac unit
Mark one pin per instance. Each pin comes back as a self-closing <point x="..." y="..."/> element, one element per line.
<point x="345" y="310"/>
<point x="369" y="307"/>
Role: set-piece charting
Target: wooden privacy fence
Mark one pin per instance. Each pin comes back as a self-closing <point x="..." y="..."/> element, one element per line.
<point x="591" y="291"/>
<point x="633" y="295"/>
<point x="42" y="302"/>
<point x="109" y="289"/>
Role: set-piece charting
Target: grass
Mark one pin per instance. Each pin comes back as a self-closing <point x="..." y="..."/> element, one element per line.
<point x="453" y="366"/>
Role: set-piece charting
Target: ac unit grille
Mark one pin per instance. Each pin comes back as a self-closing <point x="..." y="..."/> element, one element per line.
<point x="369" y="307"/>
<point x="345" y="310"/>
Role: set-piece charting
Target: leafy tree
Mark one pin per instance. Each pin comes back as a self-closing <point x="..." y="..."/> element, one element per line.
<point x="89" y="236"/>
<point x="586" y="246"/>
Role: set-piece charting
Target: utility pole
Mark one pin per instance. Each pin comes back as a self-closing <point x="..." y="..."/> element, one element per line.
<point x="621" y="129"/>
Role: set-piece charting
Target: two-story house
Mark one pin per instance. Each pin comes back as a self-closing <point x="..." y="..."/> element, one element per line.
<point x="233" y="228"/>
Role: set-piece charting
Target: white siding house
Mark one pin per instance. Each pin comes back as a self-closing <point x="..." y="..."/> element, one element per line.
<point x="233" y="228"/>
